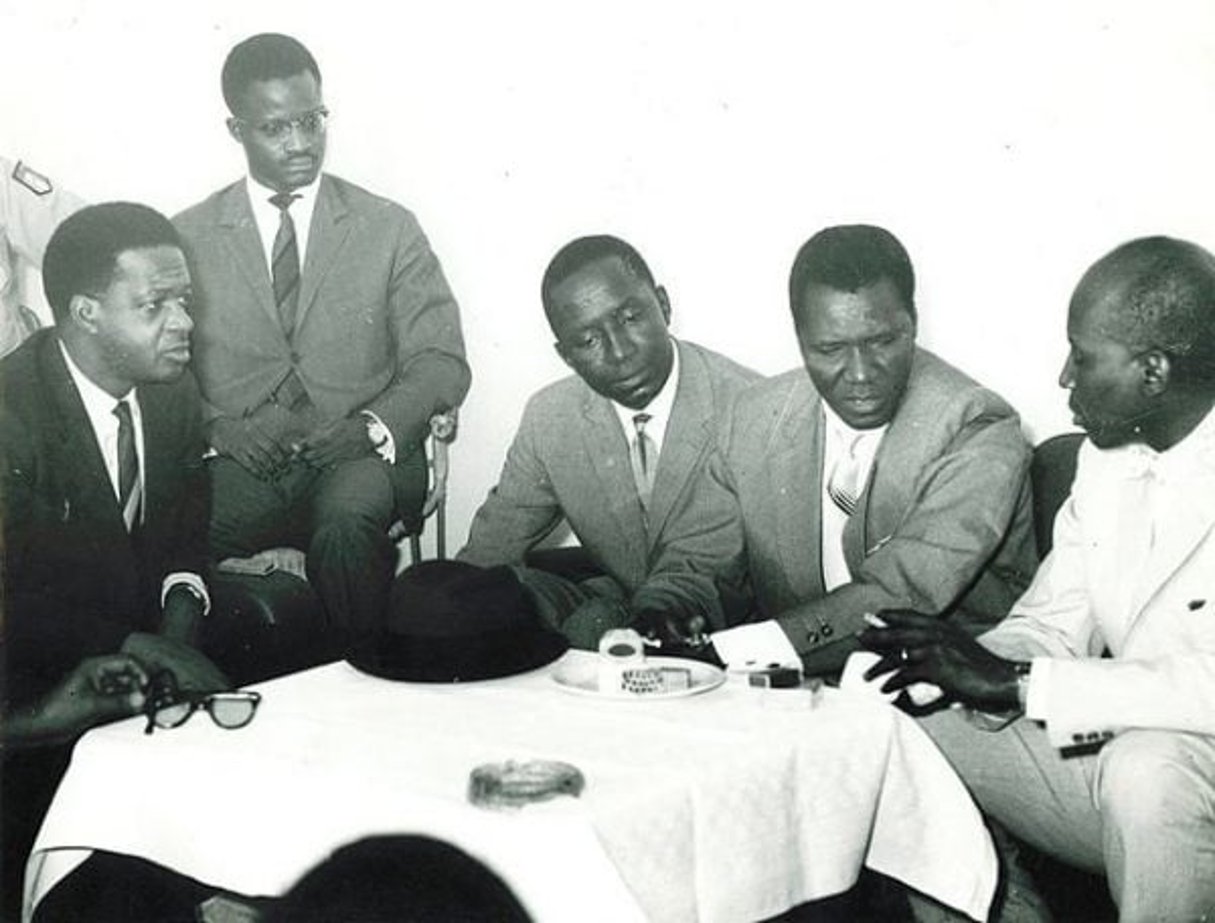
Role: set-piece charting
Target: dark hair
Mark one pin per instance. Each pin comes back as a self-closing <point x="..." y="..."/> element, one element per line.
<point x="583" y="251"/>
<point x="83" y="252"/>
<point x="391" y="879"/>
<point x="268" y="56"/>
<point x="1168" y="302"/>
<point x="850" y="257"/>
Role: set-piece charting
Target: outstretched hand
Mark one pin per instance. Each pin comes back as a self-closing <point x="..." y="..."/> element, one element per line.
<point x="930" y="649"/>
<point x="97" y="690"/>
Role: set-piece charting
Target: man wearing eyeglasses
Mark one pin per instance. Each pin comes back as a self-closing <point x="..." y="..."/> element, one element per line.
<point x="326" y="337"/>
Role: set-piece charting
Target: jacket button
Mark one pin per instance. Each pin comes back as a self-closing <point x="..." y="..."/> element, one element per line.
<point x="295" y="358"/>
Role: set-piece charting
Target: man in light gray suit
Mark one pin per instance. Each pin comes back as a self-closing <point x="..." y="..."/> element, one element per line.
<point x="614" y="450"/>
<point x="877" y="476"/>
<point x="325" y="339"/>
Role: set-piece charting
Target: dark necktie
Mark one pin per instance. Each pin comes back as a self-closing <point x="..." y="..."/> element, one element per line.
<point x="843" y="486"/>
<point x="128" y="465"/>
<point x="641" y="456"/>
<point x="285" y="263"/>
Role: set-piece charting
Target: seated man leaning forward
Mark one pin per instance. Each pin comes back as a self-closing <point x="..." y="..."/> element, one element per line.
<point x="615" y="450"/>
<point x="1131" y="575"/>
<point x="327" y="337"/>
<point x="875" y="476"/>
<point x="104" y="499"/>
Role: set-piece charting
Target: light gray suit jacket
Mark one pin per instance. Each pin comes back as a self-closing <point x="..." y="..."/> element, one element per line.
<point x="376" y="329"/>
<point x="570" y="459"/>
<point x="943" y="525"/>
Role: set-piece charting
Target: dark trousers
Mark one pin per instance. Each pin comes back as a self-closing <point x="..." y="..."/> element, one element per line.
<point x="339" y="516"/>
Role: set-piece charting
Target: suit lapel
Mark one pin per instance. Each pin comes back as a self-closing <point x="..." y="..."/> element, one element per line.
<point x="689" y="431"/>
<point x="797" y="461"/>
<point x="1189" y="523"/>
<point x="86" y="481"/>
<point x="608" y="451"/>
<point x="244" y="245"/>
<point x="331" y="226"/>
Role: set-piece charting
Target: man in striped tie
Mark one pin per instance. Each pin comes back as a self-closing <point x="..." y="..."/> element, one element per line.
<point x="327" y="338"/>
<point x="104" y="501"/>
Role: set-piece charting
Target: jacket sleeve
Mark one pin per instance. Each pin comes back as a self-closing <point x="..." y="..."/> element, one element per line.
<point x="1167" y="682"/>
<point x="431" y="373"/>
<point x="521" y="509"/>
<point x="961" y="514"/>
<point x="703" y="559"/>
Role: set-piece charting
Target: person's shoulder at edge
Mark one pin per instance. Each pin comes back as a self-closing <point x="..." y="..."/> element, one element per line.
<point x="936" y="380"/>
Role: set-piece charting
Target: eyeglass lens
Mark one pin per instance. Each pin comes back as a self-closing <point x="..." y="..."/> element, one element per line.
<point x="310" y="123"/>
<point x="232" y="710"/>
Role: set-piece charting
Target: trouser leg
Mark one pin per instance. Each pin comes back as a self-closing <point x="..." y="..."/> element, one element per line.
<point x="1156" y="792"/>
<point x="1020" y="779"/>
<point x="351" y="560"/>
<point x="249" y="514"/>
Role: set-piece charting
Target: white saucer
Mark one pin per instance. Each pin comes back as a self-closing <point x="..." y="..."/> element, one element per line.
<point x="581" y="677"/>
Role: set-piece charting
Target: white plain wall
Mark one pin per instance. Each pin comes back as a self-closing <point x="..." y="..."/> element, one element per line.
<point x="1008" y="144"/>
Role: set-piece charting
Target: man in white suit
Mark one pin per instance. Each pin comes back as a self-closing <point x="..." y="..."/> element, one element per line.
<point x="1132" y="577"/>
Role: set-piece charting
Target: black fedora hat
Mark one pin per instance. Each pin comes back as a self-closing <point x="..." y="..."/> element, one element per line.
<point x="451" y="622"/>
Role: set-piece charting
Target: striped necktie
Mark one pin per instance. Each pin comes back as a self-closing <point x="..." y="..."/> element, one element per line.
<point x="285" y="264"/>
<point x="844" y="484"/>
<point x="642" y="457"/>
<point x="129" y="493"/>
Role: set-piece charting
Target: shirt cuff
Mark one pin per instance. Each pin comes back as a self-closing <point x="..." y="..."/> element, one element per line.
<point x="190" y="580"/>
<point x="760" y="644"/>
<point x="1037" y="690"/>
<point x="381" y="437"/>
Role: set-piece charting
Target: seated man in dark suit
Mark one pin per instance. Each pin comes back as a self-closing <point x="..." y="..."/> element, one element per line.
<point x="615" y="449"/>
<point x="876" y="476"/>
<point x="101" y="479"/>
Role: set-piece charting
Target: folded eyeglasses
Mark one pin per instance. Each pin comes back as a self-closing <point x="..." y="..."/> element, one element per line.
<point x="168" y="707"/>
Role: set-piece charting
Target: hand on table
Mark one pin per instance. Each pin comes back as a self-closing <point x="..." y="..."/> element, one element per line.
<point x="671" y="628"/>
<point x="926" y="648"/>
<point x="341" y="440"/>
<point x="193" y="671"/>
<point x="260" y="443"/>
<point x="97" y="690"/>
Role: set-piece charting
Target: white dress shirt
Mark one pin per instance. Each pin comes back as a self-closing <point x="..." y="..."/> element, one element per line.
<point x="659" y="409"/>
<point x="765" y="642"/>
<point x="99" y="408"/>
<point x="268" y="217"/>
<point x="838" y="437"/>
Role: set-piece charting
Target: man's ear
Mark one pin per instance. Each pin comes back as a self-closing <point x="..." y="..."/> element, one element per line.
<point x="664" y="304"/>
<point x="1155" y="369"/>
<point x="82" y="311"/>
<point x="234" y="129"/>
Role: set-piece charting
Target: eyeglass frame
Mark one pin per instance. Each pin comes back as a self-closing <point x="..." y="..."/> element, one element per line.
<point x="276" y="131"/>
<point x="162" y="693"/>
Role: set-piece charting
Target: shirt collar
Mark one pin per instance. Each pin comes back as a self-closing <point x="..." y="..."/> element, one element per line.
<point x="98" y="402"/>
<point x="1194" y="450"/>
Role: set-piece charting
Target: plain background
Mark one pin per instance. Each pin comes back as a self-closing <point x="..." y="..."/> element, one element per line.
<point x="1008" y="144"/>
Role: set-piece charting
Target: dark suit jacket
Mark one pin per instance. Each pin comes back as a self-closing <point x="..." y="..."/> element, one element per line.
<point x="570" y="459"/>
<point x="75" y="582"/>
<point x="376" y="329"/>
<point x="943" y="524"/>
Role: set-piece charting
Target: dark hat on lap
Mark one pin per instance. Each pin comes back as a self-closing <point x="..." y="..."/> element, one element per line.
<point x="451" y="622"/>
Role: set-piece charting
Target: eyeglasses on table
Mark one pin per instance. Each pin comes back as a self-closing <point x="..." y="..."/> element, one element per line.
<point x="166" y="706"/>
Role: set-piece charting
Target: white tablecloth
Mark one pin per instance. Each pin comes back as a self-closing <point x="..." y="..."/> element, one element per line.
<point x="732" y="805"/>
